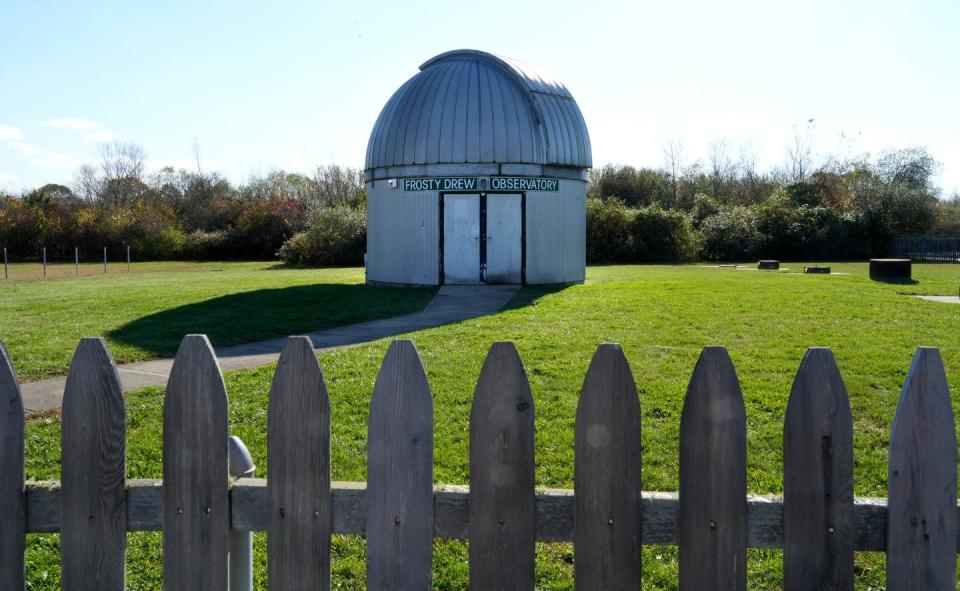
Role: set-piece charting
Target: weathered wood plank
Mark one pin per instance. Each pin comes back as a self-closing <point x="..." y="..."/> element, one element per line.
<point x="450" y="513"/>
<point x="93" y="540"/>
<point x="400" y="474"/>
<point x="922" y="481"/>
<point x="144" y="505"/>
<point x="299" y="510"/>
<point x="13" y="515"/>
<point x="818" y="544"/>
<point x="713" y="478"/>
<point x="607" y="520"/>
<point x="196" y="501"/>
<point x="502" y="508"/>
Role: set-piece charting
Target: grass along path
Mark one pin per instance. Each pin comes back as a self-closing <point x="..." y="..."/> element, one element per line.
<point x="662" y="316"/>
<point x="145" y="313"/>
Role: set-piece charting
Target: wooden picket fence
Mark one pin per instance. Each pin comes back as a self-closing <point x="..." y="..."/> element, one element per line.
<point x="818" y="522"/>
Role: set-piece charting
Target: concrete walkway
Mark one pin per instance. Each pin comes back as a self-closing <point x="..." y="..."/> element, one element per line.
<point x="941" y="299"/>
<point x="452" y="303"/>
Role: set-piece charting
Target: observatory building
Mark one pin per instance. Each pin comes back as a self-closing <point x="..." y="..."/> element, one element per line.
<point x="476" y="172"/>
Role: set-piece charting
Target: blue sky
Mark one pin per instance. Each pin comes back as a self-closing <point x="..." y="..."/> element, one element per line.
<point x="293" y="84"/>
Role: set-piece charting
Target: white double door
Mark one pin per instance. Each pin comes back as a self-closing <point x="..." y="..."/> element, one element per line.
<point x="474" y="252"/>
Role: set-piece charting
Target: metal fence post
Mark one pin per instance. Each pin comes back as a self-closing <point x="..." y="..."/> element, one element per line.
<point x="76" y="260"/>
<point x="44" y="262"/>
<point x="6" y="273"/>
<point x="128" y="258"/>
<point x="240" y="465"/>
<point x="104" y="259"/>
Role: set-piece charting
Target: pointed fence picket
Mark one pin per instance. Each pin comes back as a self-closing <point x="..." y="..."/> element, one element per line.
<point x="299" y="509"/>
<point x="93" y="534"/>
<point x="13" y="502"/>
<point x="196" y="502"/>
<point x="607" y="527"/>
<point x="818" y="527"/>
<point x="922" y="481"/>
<point x="502" y="505"/>
<point x="818" y="523"/>
<point x="713" y="478"/>
<point x="400" y="474"/>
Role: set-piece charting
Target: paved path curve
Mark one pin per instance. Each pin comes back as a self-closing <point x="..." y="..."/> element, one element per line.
<point x="452" y="303"/>
<point x="940" y="298"/>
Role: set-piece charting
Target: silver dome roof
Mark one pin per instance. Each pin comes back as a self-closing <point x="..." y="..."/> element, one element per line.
<point x="469" y="106"/>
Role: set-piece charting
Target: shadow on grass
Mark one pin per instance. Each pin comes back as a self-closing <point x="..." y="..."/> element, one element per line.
<point x="895" y="280"/>
<point x="529" y="294"/>
<point x="269" y="313"/>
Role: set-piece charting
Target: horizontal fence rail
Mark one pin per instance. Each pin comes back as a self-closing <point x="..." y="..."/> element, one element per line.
<point x="554" y="510"/>
<point x="942" y="249"/>
<point x="61" y="255"/>
<point x="818" y="522"/>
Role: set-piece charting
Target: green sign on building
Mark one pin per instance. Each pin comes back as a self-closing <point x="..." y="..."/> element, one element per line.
<point x="522" y="183"/>
<point x="447" y="183"/>
<point x="470" y="183"/>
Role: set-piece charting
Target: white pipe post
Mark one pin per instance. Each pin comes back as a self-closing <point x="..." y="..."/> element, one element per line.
<point x="241" y="561"/>
<point x="128" y="258"/>
<point x="44" y="262"/>
<point x="76" y="260"/>
<point x="104" y="259"/>
<point x="6" y="273"/>
<point x="240" y="465"/>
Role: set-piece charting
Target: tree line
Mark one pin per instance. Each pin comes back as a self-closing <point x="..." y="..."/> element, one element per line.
<point x="191" y="214"/>
<point x="723" y="208"/>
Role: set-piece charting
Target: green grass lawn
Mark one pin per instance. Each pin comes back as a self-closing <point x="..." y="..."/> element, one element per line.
<point x="145" y="313"/>
<point x="663" y="316"/>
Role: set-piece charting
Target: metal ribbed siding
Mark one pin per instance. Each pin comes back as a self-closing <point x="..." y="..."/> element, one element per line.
<point x="402" y="239"/>
<point x="470" y="113"/>
<point x="403" y="243"/>
<point x="556" y="232"/>
<point x="473" y="107"/>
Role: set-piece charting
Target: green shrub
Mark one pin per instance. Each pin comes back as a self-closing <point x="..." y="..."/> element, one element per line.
<point x="804" y="232"/>
<point x="199" y="245"/>
<point x="337" y="236"/>
<point x="22" y="227"/>
<point x="165" y="245"/>
<point x="662" y="235"/>
<point x="635" y="186"/>
<point x="620" y="234"/>
<point x="704" y="206"/>
<point x="262" y="227"/>
<point x="608" y="231"/>
<point x="731" y="234"/>
<point x="883" y="210"/>
<point x="296" y="250"/>
<point x="948" y="216"/>
<point x="827" y="234"/>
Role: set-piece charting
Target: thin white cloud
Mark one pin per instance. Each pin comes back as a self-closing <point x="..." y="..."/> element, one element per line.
<point x="75" y="123"/>
<point x="8" y="180"/>
<point x="24" y="148"/>
<point x="14" y="140"/>
<point x="93" y="131"/>
<point x="55" y="160"/>
<point x="8" y="133"/>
